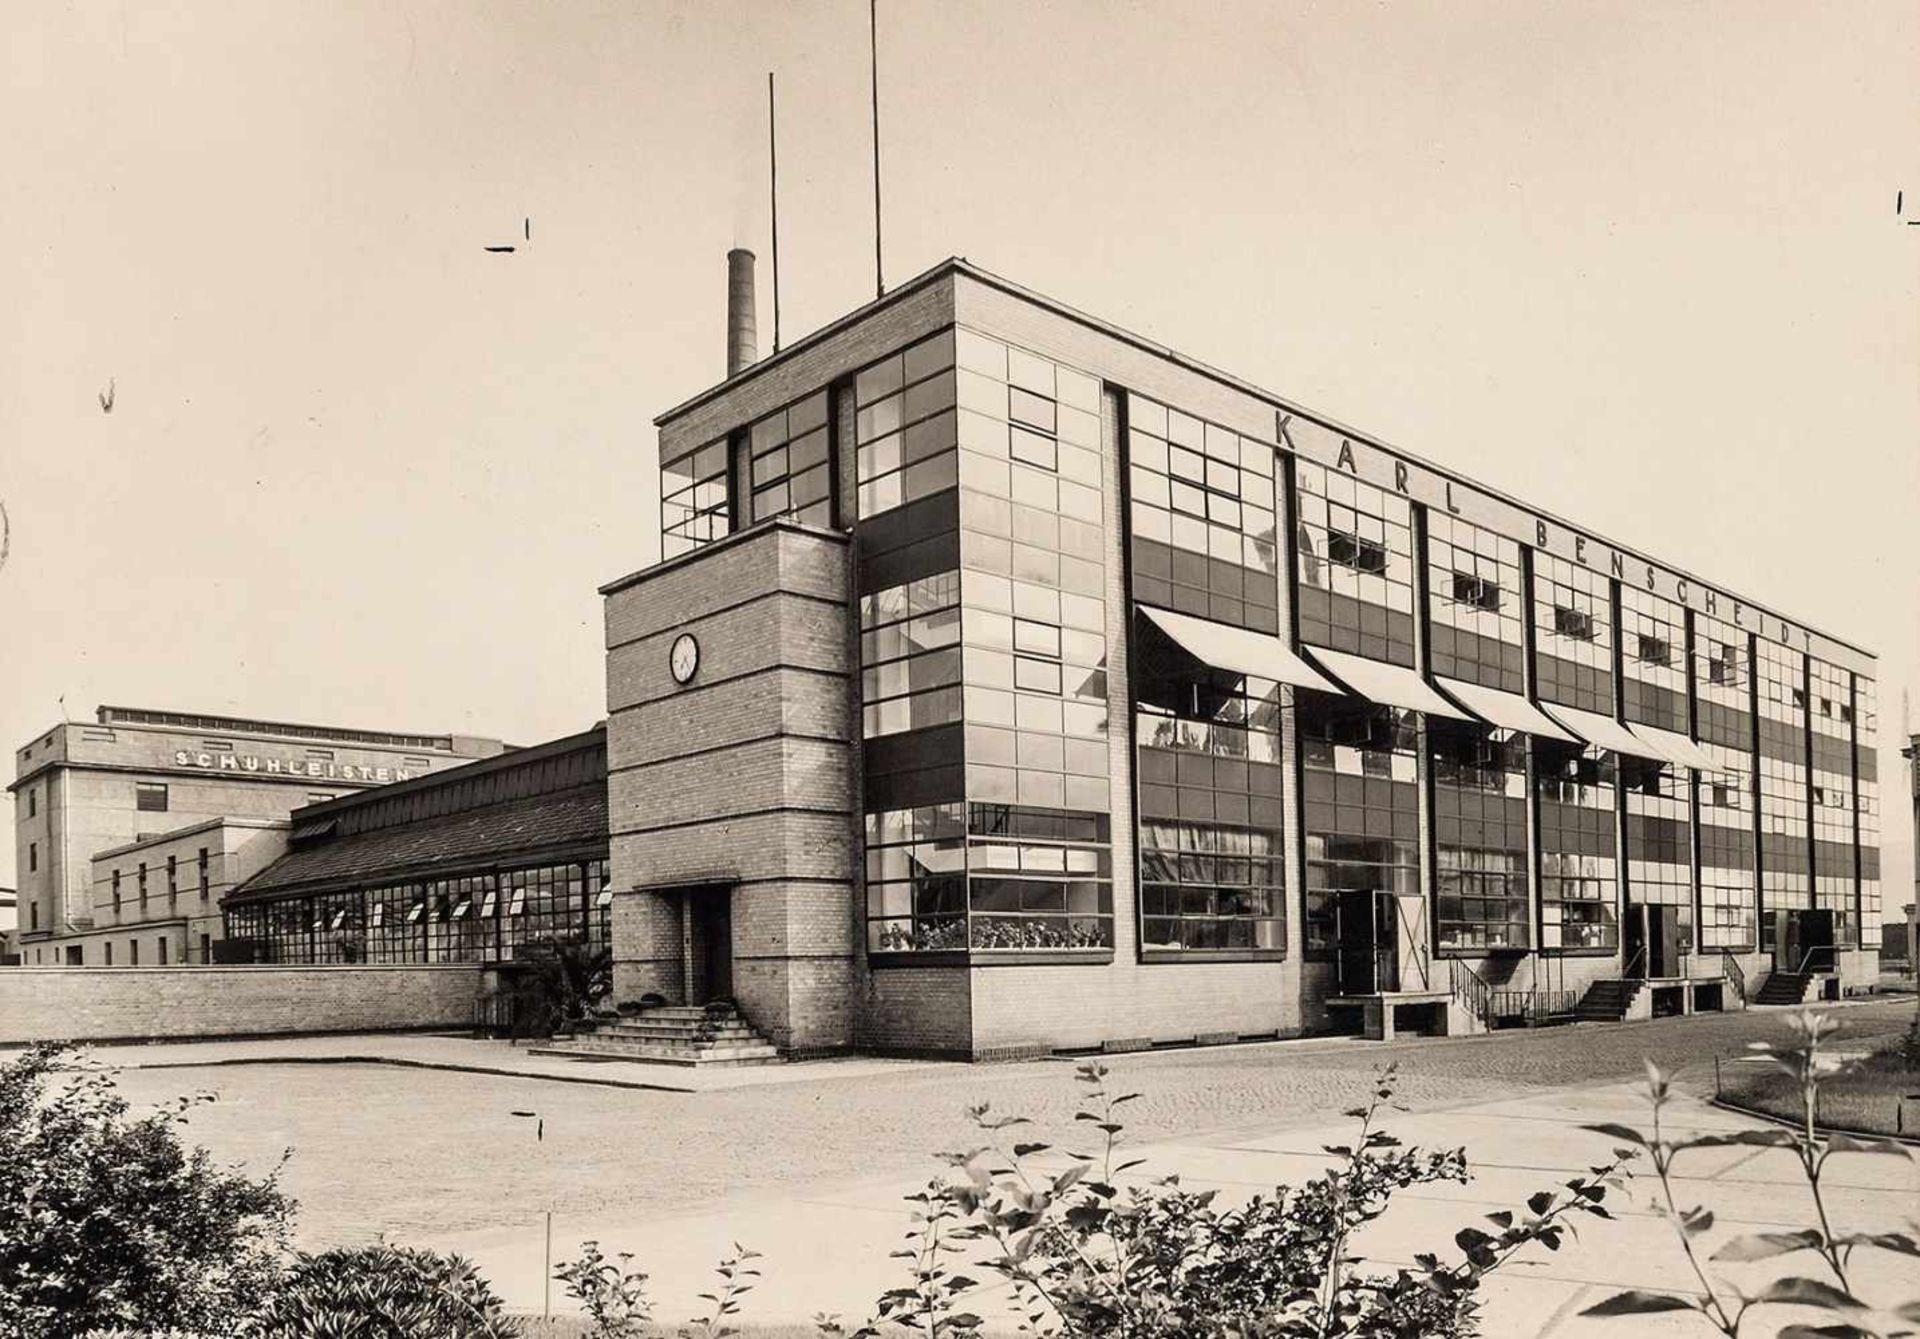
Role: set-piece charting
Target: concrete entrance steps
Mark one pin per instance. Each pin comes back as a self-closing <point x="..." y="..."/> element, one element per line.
<point x="1784" y="988"/>
<point x="671" y="1034"/>
<point x="1607" y="1001"/>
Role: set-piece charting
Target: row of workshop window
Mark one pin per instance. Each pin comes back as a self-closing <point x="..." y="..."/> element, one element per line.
<point x="475" y="918"/>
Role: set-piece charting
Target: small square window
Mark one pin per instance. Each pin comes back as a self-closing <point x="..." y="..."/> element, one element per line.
<point x="150" y="797"/>
<point x="1577" y="623"/>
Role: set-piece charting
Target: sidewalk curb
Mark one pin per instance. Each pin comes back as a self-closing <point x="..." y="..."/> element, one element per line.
<point x="399" y="1063"/>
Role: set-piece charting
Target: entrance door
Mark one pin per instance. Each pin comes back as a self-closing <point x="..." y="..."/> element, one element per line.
<point x="1634" y="943"/>
<point x="1364" y="935"/>
<point x="1816" y="940"/>
<point x="1663" y="941"/>
<point x="710" y="918"/>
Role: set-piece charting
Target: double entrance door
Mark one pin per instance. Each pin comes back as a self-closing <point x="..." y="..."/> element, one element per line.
<point x="1380" y="942"/>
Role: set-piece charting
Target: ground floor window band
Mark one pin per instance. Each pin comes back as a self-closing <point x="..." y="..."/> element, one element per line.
<point x="978" y="876"/>
<point x="467" y="918"/>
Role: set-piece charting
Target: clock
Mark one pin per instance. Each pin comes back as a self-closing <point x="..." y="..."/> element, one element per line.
<point x="684" y="659"/>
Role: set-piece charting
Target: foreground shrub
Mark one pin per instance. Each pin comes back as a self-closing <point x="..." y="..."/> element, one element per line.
<point x="383" y="1292"/>
<point x="612" y="1295"/>
<point x="1826" y="1287"/>
<point x="107" y="1221"/>
<point x="1085" y="1258"/>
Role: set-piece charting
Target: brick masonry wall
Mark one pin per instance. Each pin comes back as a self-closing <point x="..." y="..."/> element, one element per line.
<point x="740" y="778"/>
<point x="150" y="1003"/>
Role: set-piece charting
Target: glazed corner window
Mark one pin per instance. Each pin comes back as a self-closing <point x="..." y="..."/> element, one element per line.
<point x="1573" y="622"/>
<point x="787" y="469"/>
<point x="150" y="797"/>
<point x="1653" y="650"/>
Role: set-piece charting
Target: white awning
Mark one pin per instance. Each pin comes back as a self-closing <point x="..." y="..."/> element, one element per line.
<point x="1677" y="748"/>
<point x="1389" y="685"/>
<point x="1238" y="649"/>
<point x="1509" y="711"/>
<point x="1602" y="731"/>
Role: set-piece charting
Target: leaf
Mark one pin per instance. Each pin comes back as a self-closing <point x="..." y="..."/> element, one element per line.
<point x="1697" y="1219"/>
<point x="1799" y="1291"/>
<point x="1837" y="1331"/>
<point x="1503" y="1219"/>
<point x="1024" y="1150"/>
<point x="1898" y="1242"/>
<point x="1839" y="1142"/>
<point x="1539" y="1202"/>
<point x="1637" y="1302"/>
<point x="1766" y="1245"/>
<point x="1625" y="1132"/>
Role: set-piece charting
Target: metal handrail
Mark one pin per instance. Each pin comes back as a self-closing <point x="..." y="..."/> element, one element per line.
<point x="1734" y="974"/>
<point x="1626" y="973"/>
<point x="1807" y="958"/>
<point x="1469" y="986"/>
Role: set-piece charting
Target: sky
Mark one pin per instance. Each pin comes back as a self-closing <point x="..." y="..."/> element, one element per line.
<point x="1642" y="267"/>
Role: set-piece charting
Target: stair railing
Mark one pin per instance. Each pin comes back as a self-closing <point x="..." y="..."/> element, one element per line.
<point x="1734" y="974"/>
<point x="1824" y="953"/>
<point x="1472" y="990"/>
<point x="1638" y="960"/>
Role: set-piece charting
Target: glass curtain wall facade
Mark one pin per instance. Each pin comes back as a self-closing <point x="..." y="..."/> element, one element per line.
<point x="466" y="918"/>
<point x="1835" y="871"/>
<point x="983" y="656"/>
<point x="1579" y="868"/>
<point x="1572" y="635"/>
<point x="1204" y="503"/>
<point x="1482" y="903"/>
<point x="1723" y="686"/>
<point x="1354" y="565"/>
<point x="1211" y="804"/>
<point x="1476" y="611"/>
<point x="1866" y="730"/>
<point x="1785" y="812"/>
<point x="1659" y="795"/>
<point x="1361" y="794"/>
<point x="980" y="519"/>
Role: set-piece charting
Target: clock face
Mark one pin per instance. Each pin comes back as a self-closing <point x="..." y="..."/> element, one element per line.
<point x="684" y="659"/>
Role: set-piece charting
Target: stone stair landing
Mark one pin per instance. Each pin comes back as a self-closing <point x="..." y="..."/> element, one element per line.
<point x="673" y="1034"/>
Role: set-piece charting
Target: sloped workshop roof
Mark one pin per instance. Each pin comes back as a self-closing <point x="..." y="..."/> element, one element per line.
<point x="565" y="824"/>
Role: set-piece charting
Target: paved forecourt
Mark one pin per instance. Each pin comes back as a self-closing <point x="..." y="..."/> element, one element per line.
<point x="807" y="1163"/>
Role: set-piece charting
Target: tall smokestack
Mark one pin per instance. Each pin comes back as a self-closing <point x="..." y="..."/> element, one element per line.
<point x="743" y="341"/>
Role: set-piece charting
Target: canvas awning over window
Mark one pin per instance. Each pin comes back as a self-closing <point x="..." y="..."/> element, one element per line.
<point x="1238" y="649"/>
<point x="1509" y="711"/>
<point x="1389" y="685"/>
<point x="1676" y="748"/>
<point x="1603" y="732"/>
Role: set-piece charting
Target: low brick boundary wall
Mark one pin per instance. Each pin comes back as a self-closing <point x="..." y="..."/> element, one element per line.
<point x="118" y="1004"/>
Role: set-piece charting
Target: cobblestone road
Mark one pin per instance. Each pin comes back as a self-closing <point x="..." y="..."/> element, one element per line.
<point x="403" y="1152"/>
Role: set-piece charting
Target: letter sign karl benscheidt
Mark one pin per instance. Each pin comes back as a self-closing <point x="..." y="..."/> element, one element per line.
<point x="684" y="659"/>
